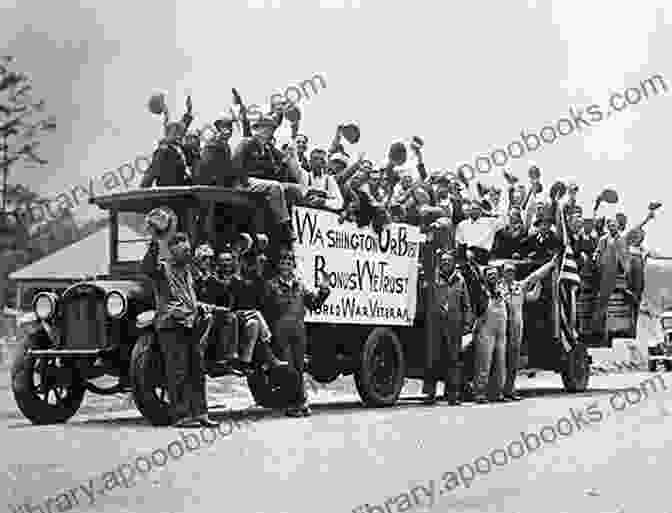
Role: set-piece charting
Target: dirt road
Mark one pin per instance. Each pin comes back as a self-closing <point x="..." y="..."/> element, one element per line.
<point x="346" y="458"/>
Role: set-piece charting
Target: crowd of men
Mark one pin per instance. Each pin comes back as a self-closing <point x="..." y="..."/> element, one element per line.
<point x="474" y="224"/>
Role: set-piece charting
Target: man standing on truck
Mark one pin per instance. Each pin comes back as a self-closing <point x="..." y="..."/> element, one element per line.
<point x="177" y="313"/>
<point x="454" y="309"/>
<point x="475" y="235"/>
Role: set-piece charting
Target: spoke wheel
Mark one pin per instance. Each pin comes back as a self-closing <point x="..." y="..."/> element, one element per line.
<point x="381" y="375"/>
<point x="277" y="388"/>
<point x="37" y="393"/>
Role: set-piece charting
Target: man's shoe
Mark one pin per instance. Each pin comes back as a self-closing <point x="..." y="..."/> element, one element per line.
<point x="206" y="421"/>
<point x="502" y="399"/>
<point x="294" y="412"/>
<point x="481" y="399"/>
<point x="513" y="397"/>
<point x="452" y="400"/>
<point x="429" y="399"/>
<point x="287" y="234"/>
<point x="273" y="363"/>
<point x="306" y="411"/>
<point x="187" y="422"/>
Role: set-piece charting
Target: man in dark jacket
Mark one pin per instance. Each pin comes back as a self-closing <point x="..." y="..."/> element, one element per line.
<point x="215" y="167"/>
<point x="543" y="244"/>
<point x="169" y="162"/>
<point x="454" y="315"/>
<point x="229" y="290"/>
<point x="257" y="166"/>
<point x="178" y="310"/>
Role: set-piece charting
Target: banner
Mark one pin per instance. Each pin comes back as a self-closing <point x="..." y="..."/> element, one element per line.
<point x="373" y="277"/>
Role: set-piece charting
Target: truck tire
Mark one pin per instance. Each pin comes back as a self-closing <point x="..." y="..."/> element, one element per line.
<point x="275" y="389"/>
<point x="382" y="371"/>
<point x="576" y="375"/>
<point x="32" y="396"/>
<point x="148" y="380"/>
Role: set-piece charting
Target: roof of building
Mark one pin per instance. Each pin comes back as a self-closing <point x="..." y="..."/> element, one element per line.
<point x="87" y="257"/>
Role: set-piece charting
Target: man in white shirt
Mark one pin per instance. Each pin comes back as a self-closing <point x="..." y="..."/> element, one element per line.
<point x="323" y="191"/>
<point x="477" y="233"/>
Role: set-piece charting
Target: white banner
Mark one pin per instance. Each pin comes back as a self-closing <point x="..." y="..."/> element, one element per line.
<point x="373" y="278"/>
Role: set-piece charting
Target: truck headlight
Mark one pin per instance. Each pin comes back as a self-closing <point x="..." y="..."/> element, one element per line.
<point x="44" y="305"/>
<point x="115" y="304"/>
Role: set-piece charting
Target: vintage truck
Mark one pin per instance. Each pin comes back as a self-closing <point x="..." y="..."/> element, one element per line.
<point x="377" y="325"/>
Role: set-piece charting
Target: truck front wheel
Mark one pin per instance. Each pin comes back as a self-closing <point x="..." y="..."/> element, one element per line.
<point x="47" y="390"/>
<point x="149" y="382"/>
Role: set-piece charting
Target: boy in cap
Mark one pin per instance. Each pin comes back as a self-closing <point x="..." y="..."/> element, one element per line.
<point x="285" y="303"/>
<point x="454" y="312"/>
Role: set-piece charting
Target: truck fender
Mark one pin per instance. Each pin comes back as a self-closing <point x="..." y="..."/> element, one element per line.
<point x="145" y="319"/>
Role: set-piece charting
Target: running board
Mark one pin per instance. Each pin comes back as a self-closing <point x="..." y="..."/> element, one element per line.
<point x="82" y="353"/>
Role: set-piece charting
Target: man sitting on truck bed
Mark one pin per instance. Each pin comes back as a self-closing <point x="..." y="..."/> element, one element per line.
<point x="257" y="166"/>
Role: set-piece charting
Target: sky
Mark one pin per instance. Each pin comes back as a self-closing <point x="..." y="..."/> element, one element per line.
<point x="465" y="77"/>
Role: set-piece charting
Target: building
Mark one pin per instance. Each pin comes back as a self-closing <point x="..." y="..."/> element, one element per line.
<point x="86" y="259"/>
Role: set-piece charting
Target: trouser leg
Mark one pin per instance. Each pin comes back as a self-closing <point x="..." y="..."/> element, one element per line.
<point x="290" y="338"/>
<point x="275" y="196"/>
<point x="175" y="358"/>
<point x="226" y="327"/>
<point x="196" y="384"/>
<point x="483" y="351"/>
<point x="249" y="339"/>
<point x="608" y="275"/>
<point x="452" y="364"/>
<point x="513" y="355"/>
<point x="299" y="344"/>
<point x="499" y="355"/>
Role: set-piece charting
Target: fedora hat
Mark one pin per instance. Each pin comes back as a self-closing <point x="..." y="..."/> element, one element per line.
<point x="157" y="103"/>
<point x="350" y="132"/>
<point x="398" y="153"/>
<point x="223" y="122"/>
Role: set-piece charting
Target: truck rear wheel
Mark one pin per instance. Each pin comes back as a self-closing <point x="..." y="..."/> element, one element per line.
<point x="275" y="389"/>
<point x="149" y="382"/>
<point x="382" y="371"/>
<point x="576" y="375"/>
<point x="39" y="395"/>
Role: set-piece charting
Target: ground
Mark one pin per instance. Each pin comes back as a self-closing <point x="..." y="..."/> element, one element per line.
<point x="348" y="458"/>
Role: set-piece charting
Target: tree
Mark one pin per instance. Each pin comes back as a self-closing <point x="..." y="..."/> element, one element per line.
<point x="22" y="122"/>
